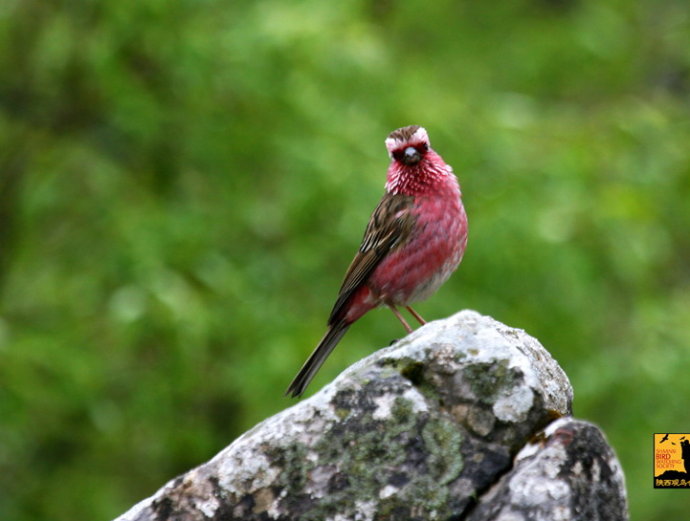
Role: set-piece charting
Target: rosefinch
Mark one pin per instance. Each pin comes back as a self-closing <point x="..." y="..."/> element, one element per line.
<point x="414" y="240"/>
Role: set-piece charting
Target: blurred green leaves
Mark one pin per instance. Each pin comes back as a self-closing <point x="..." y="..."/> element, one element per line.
<point x="183" y="185"/>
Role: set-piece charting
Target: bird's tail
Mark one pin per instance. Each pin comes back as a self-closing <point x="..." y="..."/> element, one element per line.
<point x="328" y="342"/>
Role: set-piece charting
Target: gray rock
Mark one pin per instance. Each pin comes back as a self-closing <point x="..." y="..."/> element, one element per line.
<point x="568" y="472"/>
<point x="420" y="430"/>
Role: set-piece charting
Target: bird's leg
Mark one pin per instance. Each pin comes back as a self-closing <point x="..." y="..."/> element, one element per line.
<point x="416" y="315"/>
<point x="400" y="317"/>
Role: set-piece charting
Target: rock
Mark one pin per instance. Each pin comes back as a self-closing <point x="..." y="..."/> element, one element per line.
<point x="426" y="429"/>
<point x="568" y="473"/>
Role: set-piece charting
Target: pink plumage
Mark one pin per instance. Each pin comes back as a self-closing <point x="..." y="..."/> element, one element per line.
<point x="414" y="241"/>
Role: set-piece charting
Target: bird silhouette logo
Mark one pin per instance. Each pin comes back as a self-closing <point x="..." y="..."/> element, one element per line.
<point x="671" y="460"/>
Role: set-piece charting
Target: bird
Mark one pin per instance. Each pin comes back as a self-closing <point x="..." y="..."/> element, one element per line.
<point x="415" y="239"/>
<point x="664" y="439"/>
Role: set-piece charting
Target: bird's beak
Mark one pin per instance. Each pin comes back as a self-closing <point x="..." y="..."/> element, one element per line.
<point x="411" y="156"/>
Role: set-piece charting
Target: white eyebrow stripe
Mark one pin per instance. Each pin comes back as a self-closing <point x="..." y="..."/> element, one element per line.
<point x="419" y="135"/>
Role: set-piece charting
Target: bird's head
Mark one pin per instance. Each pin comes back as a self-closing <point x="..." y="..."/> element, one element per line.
<point x="408" y="145"/>
<point x="415" y="167"/>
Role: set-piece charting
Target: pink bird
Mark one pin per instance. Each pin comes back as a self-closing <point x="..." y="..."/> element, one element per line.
<point x="414" y="241"/>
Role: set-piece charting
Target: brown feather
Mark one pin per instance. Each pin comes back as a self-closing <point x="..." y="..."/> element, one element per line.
<point x="333" y="335"/>
<point x="389" y="227"/>
<point x="403" y="133"/>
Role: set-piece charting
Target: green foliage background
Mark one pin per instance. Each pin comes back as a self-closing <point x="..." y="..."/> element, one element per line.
<point x="182" y="185"/>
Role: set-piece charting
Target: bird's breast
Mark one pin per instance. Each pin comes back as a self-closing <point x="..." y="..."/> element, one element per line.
<point x="432" y="251"/>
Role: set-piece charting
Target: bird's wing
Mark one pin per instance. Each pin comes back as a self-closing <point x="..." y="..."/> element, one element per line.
<point x="389" y="227"/>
